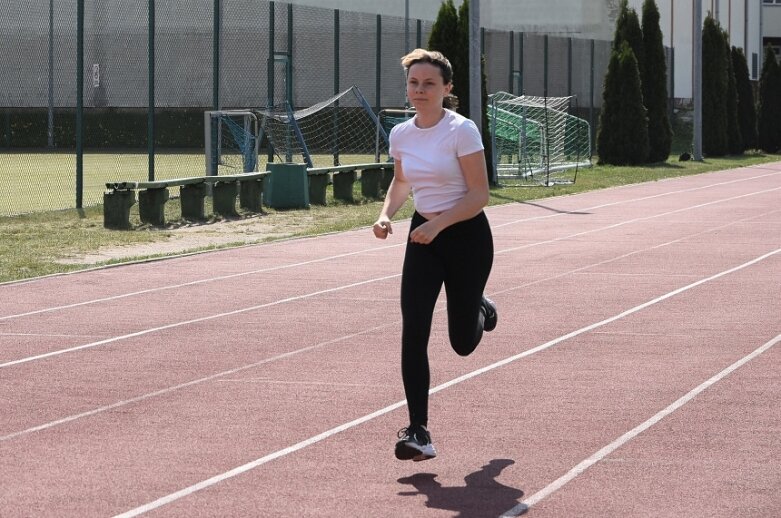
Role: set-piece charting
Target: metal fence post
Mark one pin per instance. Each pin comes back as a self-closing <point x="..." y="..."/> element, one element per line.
<point x="216" y="56"/>
<point x="569" y="66"/>
<point x="378" y="76"/>
<point x="520" y="65"/>
<point x="289" y="74"/>
<point x="50" y="121"/>
<point x="545" y="65"/>
<point x="512" y="62"/>
<point x="151" y="109"/>
<point x="79" y="103"/>
<point x="591" y="98"/>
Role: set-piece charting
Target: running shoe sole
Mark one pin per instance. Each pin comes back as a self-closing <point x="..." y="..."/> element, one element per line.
<point x="412" y="451"/>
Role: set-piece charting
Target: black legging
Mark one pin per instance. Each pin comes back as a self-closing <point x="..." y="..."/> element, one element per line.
<point x="460" y="257"/>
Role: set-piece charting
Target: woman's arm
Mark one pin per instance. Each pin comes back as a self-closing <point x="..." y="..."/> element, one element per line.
<point x="476" y="197"/>
<point x="397" y="195"/>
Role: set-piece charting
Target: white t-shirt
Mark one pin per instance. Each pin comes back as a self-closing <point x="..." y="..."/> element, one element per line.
<point x="429" y="159"/>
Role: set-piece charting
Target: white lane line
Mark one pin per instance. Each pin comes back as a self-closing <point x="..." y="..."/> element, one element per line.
<point x="194" y="321"/>
<point x="48" y="335"/>
<point x="634" y="432"/>
<point x="369" y="281"/>
<point x="643" y="198"/>
<point x="167" y="499"/>
<point x="271" y="381"/>
<point x="644" y="218"/>
<point x="194" y="283"/>
<point x="368" y="250"/>
<point x="168" y="390"/>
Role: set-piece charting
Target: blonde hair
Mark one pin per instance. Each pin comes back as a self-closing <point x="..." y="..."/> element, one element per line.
<point x="432" y="57"/>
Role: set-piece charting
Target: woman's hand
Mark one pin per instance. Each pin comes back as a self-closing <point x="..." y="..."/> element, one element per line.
<point x="382" y="227"/>
<point x="425" y="233"/>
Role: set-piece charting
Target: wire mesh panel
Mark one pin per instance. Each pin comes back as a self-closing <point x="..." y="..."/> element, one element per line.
<point x="581" y="73"/>
<point x="313" y="54"/>
<point x="358" y="52"/>
<point x="558" y="71"/>
<point x="244" y="48"/>
<point x="116" y="87"/>
<point x="536" y="140"/>
<point x="183" y="85"/>
<point x="393" y="81"/>
<point x="231" y="141"/>
<point x="36" y="106"/>
<point x="533" y="64"/>
<point x="267" y="53"/>
<point x="497" y="51"/>
<point x="282" y="80"/>
<point x="340" y="130"/>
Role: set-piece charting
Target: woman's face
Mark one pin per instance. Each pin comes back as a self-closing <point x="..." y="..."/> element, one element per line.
<point x="426" y="87"/>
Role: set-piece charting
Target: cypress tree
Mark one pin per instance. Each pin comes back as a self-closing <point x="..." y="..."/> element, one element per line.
<point x="443" y="33"/>
<point x="628" y="29"/>
<point x="714" y="89"/>
<point x="462" y="58"/>
<point x="653" y="76"/>
<point x="623" y="125"/>
<point x="769" y="137"/>
<point x="747" y="115"/>
<point x="734" y="138"/>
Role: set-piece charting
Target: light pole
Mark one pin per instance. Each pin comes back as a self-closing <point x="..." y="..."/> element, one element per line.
<point x="697" y="86"/>
<point x="475" y="95"/>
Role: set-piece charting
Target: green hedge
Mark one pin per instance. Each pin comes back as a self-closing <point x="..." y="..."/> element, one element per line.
<point x="103" y="128"/>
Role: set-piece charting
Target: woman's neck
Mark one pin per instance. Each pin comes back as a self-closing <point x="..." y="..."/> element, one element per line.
<point x="430" y="119"/>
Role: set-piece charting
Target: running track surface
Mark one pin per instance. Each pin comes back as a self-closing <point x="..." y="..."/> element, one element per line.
<point x="635" y="371"/>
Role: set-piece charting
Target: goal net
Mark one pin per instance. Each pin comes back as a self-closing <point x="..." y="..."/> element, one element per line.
<point x="231" y="141"/>
<point x="536" y="141"/>
<point x="341" y="130"/>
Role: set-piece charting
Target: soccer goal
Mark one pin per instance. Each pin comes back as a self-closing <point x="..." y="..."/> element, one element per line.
<point x="342" y="130"/>
<point x="536" y="141"/>
<point x="232" y="138"/>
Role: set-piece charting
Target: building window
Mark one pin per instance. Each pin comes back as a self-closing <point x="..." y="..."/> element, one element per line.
<point x="775" y="44"/>
<point x="771" y="2"/>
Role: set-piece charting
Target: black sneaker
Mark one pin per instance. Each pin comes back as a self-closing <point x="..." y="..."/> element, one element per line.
<point x="489" y="310"/>
<point x="415" y="444"/>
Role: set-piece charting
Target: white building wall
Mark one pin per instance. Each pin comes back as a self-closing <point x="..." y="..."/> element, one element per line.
<point x="741" y="18"/>
<point x="596" y="19"/>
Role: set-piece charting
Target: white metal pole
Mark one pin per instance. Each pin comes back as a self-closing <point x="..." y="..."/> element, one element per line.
<point x="475" y="95"/>
<point x="697" y="87"/>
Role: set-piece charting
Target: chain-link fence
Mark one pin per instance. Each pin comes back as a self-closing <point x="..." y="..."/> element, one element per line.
<point x="97" y="91"/>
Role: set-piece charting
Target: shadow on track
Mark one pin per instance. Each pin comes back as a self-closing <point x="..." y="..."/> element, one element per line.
<point x="483" y="496"/>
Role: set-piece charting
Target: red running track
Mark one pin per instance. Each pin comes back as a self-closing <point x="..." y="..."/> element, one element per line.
<point x="635" y="371"/>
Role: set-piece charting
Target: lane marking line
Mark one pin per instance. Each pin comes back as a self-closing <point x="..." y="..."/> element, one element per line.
<point x="631" y="434"/>
<point x="194" y="321"/>
<point x="339" y="256"/>
<point x="167" y="499"/>
<point x="339" y="288"/>
<point x="168" y="390"/>
<point x="288" y="354"/>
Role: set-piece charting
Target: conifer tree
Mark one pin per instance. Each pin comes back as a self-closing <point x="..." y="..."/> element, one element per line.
<point x="714" y="89"/>
<point x="623" y="125"/>
<point x="734" y="138"/>
<point x="450" y="36"/>
<point x="628" y="29"/>
<point x="443" y="32"/>
<point x="653" y="76"/>
<point x="769" y="136"/>
<point x="747" y="115"/>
